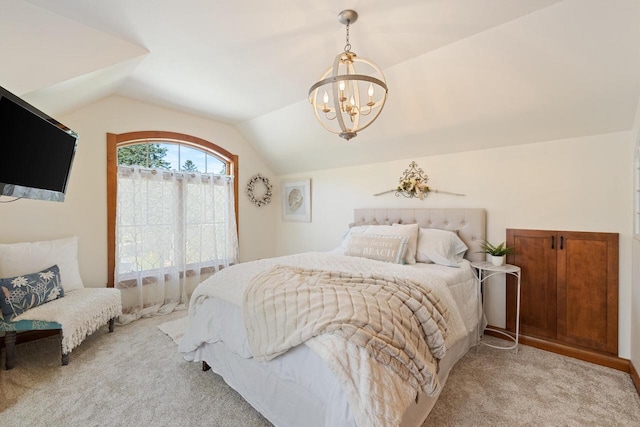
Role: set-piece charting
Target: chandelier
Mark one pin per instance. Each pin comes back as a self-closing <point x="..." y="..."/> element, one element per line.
<point x="351" y="93"/>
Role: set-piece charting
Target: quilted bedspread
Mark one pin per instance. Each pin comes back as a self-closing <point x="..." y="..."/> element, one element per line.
<point x="400" y="323"/>
<point x="378" y="392"/>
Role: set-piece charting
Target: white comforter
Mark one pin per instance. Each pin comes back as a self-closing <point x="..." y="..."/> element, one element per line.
<point x="376" y="395"/>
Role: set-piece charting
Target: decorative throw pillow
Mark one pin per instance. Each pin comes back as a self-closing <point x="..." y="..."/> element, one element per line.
<point x="19" y="294"/>
<point x="409" y="230"/>
<point x="18" y="259"/>
<point x="353" y="230"/>
<point x="378" y="247"/>
<point x="440" y="246"/>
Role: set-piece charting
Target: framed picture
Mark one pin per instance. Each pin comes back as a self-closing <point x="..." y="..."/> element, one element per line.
<point x="296" y="200"/>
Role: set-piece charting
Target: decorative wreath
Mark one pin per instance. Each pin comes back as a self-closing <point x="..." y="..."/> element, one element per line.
<point x="251" y="185"/>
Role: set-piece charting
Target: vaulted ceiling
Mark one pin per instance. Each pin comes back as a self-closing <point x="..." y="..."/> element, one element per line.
<point x="462" y="74"/>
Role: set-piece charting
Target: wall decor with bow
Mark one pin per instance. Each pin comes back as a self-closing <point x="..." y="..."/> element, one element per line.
<point x="413" y="183"/>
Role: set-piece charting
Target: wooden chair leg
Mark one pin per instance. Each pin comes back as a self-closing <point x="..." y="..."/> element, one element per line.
<point x="112" y="322"/>
<point x="10" y="349"/>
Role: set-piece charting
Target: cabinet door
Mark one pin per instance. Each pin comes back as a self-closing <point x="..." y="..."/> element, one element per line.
<point x="535" y="254"/>
<point x="588" y="290"/>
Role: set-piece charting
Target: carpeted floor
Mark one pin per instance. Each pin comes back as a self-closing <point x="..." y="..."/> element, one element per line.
<point x="135" y="377"/>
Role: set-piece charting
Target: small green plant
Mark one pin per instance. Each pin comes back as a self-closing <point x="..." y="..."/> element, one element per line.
<point x="499" y="250"/>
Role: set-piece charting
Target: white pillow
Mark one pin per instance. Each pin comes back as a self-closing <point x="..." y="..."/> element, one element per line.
<point x="17" y="259"/>
<point x="440" y="246"/>
<point x="379" y="247"/>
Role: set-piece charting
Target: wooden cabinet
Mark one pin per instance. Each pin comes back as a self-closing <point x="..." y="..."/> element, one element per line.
<point x="569" y="287"/>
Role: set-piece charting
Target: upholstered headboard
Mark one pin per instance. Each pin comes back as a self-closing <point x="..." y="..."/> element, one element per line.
<point x="470" y="223"/>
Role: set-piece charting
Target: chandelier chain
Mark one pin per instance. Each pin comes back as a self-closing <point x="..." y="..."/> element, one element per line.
<point x="347" y="46"/>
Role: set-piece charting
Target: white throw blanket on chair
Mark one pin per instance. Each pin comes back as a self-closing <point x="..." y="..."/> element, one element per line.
<point x="80" y="312"/>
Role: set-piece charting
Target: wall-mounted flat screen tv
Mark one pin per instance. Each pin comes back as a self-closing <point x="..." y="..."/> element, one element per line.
<point x="36" y="151"/>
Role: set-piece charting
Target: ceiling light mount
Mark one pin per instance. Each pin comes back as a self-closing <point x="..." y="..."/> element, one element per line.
<point x="349" y="101"/>
<point x="347" y="17"/>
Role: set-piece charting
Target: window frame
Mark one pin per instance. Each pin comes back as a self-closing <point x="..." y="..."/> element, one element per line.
<point x="115" y="141"/>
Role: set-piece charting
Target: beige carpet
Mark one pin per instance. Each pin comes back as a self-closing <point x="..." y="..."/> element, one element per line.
<point x="135" y="377"/>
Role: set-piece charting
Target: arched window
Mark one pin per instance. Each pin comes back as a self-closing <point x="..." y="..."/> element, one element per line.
<point x="172" y="216"/>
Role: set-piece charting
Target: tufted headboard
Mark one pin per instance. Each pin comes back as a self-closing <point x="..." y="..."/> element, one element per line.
<point x="470" y="223"/>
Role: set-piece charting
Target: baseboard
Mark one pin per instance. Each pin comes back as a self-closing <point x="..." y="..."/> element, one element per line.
<point x="577" y="353"/>
<point x="634" y="377"/>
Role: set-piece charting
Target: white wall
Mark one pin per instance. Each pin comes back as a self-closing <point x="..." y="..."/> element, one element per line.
<point x="635" y="283"/>
<point x="84" y="212"/>
<point x="578" y="184"/>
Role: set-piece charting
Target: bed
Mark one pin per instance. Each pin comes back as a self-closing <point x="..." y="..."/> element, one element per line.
<point x="330" y="381"/>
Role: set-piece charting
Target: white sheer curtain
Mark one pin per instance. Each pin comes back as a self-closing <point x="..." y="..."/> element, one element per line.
<point x="173" y="230"/>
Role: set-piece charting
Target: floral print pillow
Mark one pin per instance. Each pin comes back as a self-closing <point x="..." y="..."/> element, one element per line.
<point x="19" y="294"/>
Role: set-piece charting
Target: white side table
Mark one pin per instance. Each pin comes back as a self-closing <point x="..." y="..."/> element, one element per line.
<point x="486" y="270"/>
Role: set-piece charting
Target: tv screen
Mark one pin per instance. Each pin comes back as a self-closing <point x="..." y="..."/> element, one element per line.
<point x="36" y="151"/>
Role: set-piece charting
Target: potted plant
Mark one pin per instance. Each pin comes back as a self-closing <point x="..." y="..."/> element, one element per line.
<point x="497" y="252"/>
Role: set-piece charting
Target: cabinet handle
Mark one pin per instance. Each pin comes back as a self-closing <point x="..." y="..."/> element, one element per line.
<point x="561" y="242"/>
<point x="553" y="242"/>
